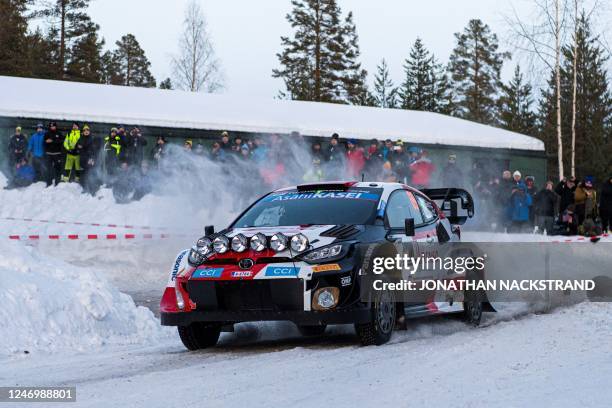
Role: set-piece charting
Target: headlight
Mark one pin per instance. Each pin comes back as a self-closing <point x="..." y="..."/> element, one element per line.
<point x="239" y="243"/>
<point x="278" y="242"/>
<point x="320" y="254"/>
<point x="258" y="242"/>
<point x="299" y="243"/>
<point x="221" y="244"/>
<point x="195" y="258"/>
<point x="204" y="246"/>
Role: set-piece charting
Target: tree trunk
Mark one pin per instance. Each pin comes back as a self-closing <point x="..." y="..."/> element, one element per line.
<point x="62" y="56"/>
<point x="574" y="86"/>
<point x="317" y="73"/>
<point x="558" y="85"/>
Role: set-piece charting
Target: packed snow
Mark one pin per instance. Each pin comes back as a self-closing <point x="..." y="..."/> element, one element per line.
<point x="57" y="100"/>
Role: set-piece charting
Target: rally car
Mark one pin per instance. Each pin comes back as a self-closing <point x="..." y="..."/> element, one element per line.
<point x="297" y="254"/>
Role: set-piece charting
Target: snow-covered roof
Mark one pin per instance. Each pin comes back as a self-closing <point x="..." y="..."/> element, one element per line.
<point x="58" y="100"/>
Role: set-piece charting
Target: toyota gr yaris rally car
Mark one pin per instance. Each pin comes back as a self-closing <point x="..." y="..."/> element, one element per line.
<point x="296" y="254"/>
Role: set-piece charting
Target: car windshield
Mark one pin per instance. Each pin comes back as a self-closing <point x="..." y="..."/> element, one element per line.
<point x="287" y="208"/>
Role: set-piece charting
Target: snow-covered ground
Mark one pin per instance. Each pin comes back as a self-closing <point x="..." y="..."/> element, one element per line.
<point x="62" y="303"/>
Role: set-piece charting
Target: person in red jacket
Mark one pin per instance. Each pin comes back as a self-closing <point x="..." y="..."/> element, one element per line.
<point x="355" y="159"/>
<point x="422" y="169"/>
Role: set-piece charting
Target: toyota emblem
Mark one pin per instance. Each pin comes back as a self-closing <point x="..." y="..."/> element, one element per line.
<point x="246" y="263"/>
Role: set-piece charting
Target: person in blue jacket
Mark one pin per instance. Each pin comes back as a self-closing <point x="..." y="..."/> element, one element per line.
<point x="36" y="149"/>
<point x="520" y="202"/>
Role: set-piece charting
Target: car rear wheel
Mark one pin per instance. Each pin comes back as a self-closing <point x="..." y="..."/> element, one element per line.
<point x="199" y="335"/>
<point x="310" y="331"/>
<point x="473" y="307"/>
<point x="379" y="330"/>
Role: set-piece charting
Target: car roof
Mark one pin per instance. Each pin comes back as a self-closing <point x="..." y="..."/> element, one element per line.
<point x="386" y="186"/>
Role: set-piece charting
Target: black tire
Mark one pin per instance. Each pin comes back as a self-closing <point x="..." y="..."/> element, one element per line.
<point x="379" y="330"/>
<point x="473" y="307"/>
<point x="199" y="335"/>
<point x="310" y="331"/>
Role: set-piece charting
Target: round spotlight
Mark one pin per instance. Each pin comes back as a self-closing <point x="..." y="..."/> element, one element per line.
<point x="299" y="243"/>
<point x="258" y="242"/>
<point x="204" y="246"/>
<point x="278" y="242"/>
<point x="221" y="244"/>
<point x="239" y="243"/>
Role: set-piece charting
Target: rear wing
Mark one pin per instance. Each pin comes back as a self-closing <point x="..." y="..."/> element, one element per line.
<point x="450" y="201"/>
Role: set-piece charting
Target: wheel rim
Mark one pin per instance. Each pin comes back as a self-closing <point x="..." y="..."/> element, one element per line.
<point x="386" y="313"/>
<point x="475" y="310"/>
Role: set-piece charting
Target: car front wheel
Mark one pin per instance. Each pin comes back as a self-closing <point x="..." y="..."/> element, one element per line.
<point x="379" y="330"/>
<point x="199" y="335"/>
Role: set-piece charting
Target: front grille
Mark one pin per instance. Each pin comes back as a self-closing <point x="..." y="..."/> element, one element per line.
<point x="253" y="295"/>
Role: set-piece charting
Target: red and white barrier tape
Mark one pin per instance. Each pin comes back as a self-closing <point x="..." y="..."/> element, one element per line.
<point x="594" y="238"/>
<point x="74" y="237"/>
<point x="84" y="223"/>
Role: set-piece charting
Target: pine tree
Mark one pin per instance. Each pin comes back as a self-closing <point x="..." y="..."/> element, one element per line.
<point x="166" y="84"/>
<point x="353" y="78"/>
<point x="86" y="58"/>
<point x="319" y="62"/>
<point x="13" y="37"/>
<point x="425" y="86"/>
<point x="385" y="93"/>
<point x="128" y="65"/>
<point x="69" y="22"/>
<point x="515" y="112"/>
<point x="594" y="107"/>
<point x="475" y="65"/>
<point x="39" y="56"/>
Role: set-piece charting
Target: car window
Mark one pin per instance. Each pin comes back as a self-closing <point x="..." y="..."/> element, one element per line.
<point x="427" y="209"/>
<point x="402" y="205"/>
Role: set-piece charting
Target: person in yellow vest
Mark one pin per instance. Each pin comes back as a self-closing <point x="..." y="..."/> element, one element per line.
<point x="73" y="160"/>
<point x="113" y="144"/>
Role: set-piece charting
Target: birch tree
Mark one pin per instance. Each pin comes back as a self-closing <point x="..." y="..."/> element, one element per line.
<point x="196" y="68"/>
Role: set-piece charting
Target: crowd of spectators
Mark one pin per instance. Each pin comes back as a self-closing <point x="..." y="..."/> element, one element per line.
<point x="124" y="161"/>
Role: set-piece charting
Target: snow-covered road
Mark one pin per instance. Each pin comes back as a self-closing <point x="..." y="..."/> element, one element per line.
<point x="560" y="359"/>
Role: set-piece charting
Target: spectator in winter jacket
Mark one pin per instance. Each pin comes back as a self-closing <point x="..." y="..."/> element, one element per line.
<point x="89" y="150"/>
<point x="237" y="145"/>
<point x="452" y="176"/>
<point x="532" y="191"/>
<point x="566" y="190"/>
<point x="517" y="177"/>
<point x="188" y="146"/>
<point x="159" y="151"/>
<point x="260" y="150"/>
<point x="422" y="169"/>
<point x="605" y="205"/>
<point x="585" y="199"/>
<point x="399" y="162"/>
<point x="225" y="142"/>
<point x="387" y="149"/>
<point x="316" y="152"/>
<point x="54" y="151"/>
<point x="135" y="146"/>
<point x="374" y="161"/>
<point x="355" y="160"/>
<point x="24" y="175"/>
<point x="17" y="147"/>
<point x="73" y="161"/>
<point x="520" y="202"/>
<point x="113" y="147"/>
<point x="217" y="153"/>
<point x="334" y="155"/>
<point x="544" y="206"/>
<point x="36" y="148"/>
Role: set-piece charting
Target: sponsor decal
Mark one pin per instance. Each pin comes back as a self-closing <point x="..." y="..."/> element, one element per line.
<point x="207" y="273"/>
<point x="281" y="271"/>
<point x="242" y="274"/>
<point x="345" y="280"/>
<point x="177" y="264"/>
<point x="351" y="195"/>
<point x="326" y="268"/>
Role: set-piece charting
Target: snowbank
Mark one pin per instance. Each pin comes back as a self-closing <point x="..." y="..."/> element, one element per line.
<point x="50" y="305"/>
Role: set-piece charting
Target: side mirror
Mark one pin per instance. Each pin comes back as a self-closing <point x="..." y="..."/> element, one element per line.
<point x="209" y="230"/>
<point x="409" y="227"/>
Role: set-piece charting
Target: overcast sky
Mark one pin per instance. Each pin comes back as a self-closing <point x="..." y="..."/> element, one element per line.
<point x="246" y="33"/>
